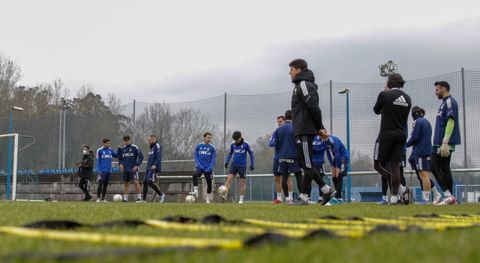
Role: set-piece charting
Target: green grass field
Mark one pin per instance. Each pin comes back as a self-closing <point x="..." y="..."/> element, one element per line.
<point x="460" y="245"/>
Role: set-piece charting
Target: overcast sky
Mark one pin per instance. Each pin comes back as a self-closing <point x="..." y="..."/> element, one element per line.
<point x="181" y="50"/>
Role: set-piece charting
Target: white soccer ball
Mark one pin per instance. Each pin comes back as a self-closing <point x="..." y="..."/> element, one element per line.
<point x="117" y="198"/>
<point x="190" y="199"/>
<point x="222" y="189"/>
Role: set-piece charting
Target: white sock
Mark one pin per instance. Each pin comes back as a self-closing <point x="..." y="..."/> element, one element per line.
<point x="241" y="198"/>
<point x="290" y="195"/>
<point x="426" y="195"/>
<point x="279" y="196"/>
<point x="304" y="197"/>
<point x="139" y="196"/>
<point x="125" y="197"/>
<point x="385" y="197"/>
<point x="447" y="193"/>
<point x="195" y="189"/>
<point x="209" y="197"/>
<point x="325" y="189"/>
<point x="402" y="189"/>
<point x="434" y="190"/>
<point x="393" y="199"/>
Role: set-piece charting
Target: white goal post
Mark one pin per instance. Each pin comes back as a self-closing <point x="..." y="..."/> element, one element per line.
<point x="12" y="184"/>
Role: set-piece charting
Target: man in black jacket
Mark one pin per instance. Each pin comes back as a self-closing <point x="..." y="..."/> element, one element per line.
<point x="85" y="172"/>
<point x="307" y="122"/>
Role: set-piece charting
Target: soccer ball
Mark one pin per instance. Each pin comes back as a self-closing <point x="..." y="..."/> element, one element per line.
<point x="222" y="189"/>
<point x="117" y="198"/>
<point x="190" y="199"/>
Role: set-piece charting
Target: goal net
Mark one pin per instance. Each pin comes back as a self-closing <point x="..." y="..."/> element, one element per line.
<point x="8" y="166"/>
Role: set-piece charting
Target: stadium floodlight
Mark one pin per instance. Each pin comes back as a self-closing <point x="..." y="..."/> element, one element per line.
<point x="346" y="91"/>
<point x="17" y="108"/>
<point x="343" y="91"/>
<point x="388" y="68"/>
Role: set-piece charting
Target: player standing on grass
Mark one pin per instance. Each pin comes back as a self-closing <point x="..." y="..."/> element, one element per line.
<point x="420" y="141"/>
<point x="238" y="150"/>
<point x="205" y="157"/>
<point x="287" y="156"/>
<point x="276" y="174"/>
<point x="307" y="122"/>
<point x="105" y="155"/>
<point x="394" y="106"/>
<point x="130" y="157"/>
<point x="154" y="166"/>
<point x="85" y="171"/>
<point x="337" y="156"/>
<point x="446" y="137"/>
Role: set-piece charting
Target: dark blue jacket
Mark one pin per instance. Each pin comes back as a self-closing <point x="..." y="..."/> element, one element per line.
<point x="318" y="151"/>
<point x="104" y="159"/>
<point x="130" y="156"/>
<point x="448" y="109"/>
<point x="336" y="149"/>
<point x="271" y="143"/>
<point x="421" y="138"/>
<point x="285" y="141"/>
<point x="155" y="157"/>
<point x="239" y="153"/>
<point x="205" y="157"/>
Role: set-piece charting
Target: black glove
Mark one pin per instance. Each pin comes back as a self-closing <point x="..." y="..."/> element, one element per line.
<point x="226" y="166"/>
<point x="251" y="168"/>
<point x="343" y="174"/>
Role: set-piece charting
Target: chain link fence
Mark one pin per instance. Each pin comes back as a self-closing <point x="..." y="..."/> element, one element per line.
<point x="181" y="125"/>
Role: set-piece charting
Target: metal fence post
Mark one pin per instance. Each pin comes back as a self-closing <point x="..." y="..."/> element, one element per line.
<point x="331" y="107"/>
<point x="133" y="121"/>
<point x="465" y="153"/>
<point x="224" y="130"/>
<point x="465" y="158"/>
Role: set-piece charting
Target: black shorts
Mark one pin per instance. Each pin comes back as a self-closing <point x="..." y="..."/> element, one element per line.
<point x="391" y="149"/>
<point x="130" y="176"/>
<point x="208" y="176"/>
<point x="288" y="166"/>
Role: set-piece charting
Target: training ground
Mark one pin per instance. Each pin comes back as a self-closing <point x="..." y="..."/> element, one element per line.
<point x="447" y="245"/>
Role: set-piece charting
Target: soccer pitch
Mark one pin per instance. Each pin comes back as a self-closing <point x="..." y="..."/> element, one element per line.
<point x="455" y="245"/>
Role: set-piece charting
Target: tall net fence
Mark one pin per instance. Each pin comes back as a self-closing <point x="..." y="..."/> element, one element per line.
<point x="60" y="134"/>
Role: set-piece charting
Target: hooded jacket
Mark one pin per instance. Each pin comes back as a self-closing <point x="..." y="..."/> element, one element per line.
<point x="307" y="117"/>
<point x="86" y="166"/>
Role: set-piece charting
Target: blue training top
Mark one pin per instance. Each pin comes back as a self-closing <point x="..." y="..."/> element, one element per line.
<point x="336" y="151"/>
<point x="205" y="157"/>
<point x="271" y="143"/>
<point x="155" y="157"/>
<point x="239" y="154"/>
<point x="421" y="138"/>
<point x="104" y="159"/>
<point x="285" y="141"/>
<point x="130" y="156"/>
<point x="448" y="109"/>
